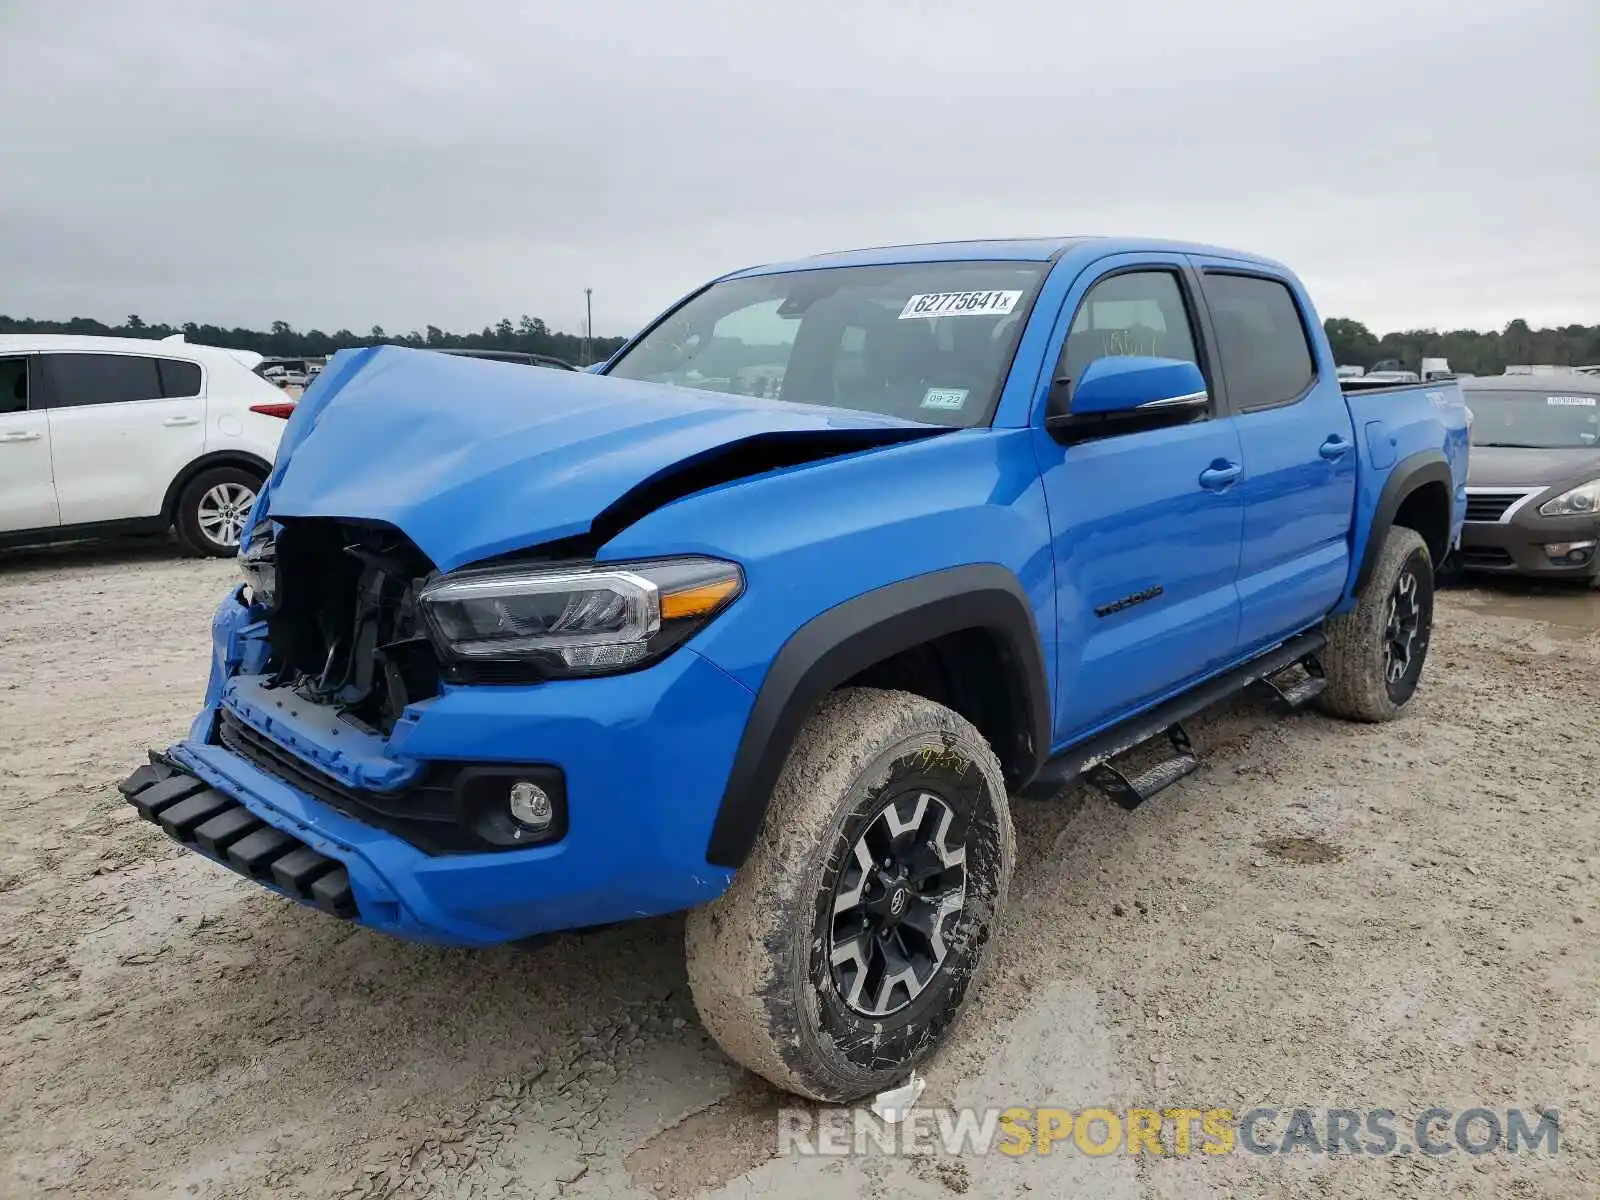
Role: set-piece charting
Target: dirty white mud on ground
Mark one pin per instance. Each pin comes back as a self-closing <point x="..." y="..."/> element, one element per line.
<point x="1323" y="915"/>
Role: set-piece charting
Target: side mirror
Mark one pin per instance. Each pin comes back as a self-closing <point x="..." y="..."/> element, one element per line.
<point x="1122" y="394"/>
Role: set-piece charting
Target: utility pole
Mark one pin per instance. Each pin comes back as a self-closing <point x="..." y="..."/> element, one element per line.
<point x="588" y="323"/>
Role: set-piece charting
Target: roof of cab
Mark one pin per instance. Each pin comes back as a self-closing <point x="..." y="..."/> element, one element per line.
<point x="1026" y="249"/>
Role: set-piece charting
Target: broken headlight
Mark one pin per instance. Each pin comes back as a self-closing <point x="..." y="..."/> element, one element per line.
<point x="259" y="563"/>
<point x="576" y="619"/>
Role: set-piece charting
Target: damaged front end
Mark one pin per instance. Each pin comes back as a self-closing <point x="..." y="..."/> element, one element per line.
<point x="335" y="669"/>
<point x="344" y="628"/>
<point x="354" y="755"/>
<point x="425" y="563"/>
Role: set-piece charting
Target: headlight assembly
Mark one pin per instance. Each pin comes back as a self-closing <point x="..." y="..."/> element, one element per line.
<point x="259" y="565"/>
<point x="576" y="619"/>
<point x="1581" y="501"/>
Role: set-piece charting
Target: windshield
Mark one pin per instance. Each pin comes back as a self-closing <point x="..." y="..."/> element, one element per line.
<point x="926" y="341"/>
<point x="1538" y="420"/>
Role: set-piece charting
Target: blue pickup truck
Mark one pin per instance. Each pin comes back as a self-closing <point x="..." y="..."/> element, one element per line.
<point x="768" y="618"/>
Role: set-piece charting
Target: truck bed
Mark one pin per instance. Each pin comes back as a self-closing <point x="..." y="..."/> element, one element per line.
<point x="1398" y="426"/>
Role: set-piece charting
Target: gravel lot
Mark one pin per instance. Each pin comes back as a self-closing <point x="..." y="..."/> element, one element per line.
<point x="1323" y="915"/>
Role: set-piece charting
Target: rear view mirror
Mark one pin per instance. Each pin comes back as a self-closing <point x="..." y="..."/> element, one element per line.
<point x="1121" y="394"/>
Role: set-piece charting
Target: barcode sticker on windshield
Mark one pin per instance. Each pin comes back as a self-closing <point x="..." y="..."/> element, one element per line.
<point x="1570" y="401"/>
<point x="960" y="304"/>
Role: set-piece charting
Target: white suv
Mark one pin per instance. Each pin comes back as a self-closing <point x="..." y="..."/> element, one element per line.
<point x="102" y="435"/>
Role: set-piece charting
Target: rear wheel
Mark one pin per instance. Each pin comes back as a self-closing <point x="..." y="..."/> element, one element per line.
<point x="1375" y="651"/>
<point x="213" y="509"/>
<point x="853" y="934"/>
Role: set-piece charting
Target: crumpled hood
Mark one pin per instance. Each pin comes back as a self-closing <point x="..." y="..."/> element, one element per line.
<point x="473" y="458"/>
<point x="1517" y="466"/>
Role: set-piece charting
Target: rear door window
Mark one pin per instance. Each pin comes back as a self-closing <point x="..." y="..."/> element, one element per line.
<point x="1261" y="340"/>
<point x="79" y="380"/>
<point x="13" y="385"/>
<point x="178" y="378"/>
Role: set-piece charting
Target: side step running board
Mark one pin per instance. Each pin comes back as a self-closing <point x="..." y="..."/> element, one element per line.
<point x="1130" y="791"/>
<point x="1093" y="758"/>
<point x="1288" y="698"/>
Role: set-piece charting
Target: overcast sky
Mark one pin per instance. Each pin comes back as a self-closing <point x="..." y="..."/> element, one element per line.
<point x="403" y="162"/>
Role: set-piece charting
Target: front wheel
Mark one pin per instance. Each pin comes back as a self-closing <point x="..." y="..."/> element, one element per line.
<point x="1375" y="651"/>
<point x="852" y="936"/>
<point x="213" y="509"/>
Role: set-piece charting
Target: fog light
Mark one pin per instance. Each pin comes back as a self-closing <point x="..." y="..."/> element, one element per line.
<point x="1575" y="553"/>
<point x="531" y="805"/>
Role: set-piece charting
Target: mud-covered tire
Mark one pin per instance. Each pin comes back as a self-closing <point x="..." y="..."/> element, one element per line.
<point x="1361" y="661"/>
<point x="761" y="957"/>
<point x="212" y="510"/>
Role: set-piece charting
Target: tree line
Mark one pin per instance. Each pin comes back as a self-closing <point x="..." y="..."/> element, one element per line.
<point x="529" y="335"/>
<point x="1468" y="351"/>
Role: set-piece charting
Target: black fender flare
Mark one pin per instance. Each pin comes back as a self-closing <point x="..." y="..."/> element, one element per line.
<point x="1410" y="473"/>
<point x="217" y="458"/>
<point x="845" y="640"/>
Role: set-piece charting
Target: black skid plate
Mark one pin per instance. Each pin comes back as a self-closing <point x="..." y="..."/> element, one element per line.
<point x="191" y="812"/>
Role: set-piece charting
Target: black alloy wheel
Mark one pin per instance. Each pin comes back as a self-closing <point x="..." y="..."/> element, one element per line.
<point x="903" y="885"/>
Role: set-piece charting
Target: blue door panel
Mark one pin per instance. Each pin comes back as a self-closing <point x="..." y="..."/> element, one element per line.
<point x="1298" y="492"/>
<point x="1297" y="507"/>
<point x="1146" y="558"/>
<point x="1129" y="520"/>
<point x="1286" y="598"/>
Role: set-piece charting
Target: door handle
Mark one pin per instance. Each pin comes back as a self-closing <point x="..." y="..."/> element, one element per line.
<point x="1334" y="448"/>
<point x="181" y="421"/>
<point x="27" y="435"/>
<point x="1220" y="474"/>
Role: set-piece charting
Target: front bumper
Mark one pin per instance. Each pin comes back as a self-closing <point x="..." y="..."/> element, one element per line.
<point x="1518" y="546"/>
<point x="225" y="831"/>
<point x="645" y="755"/>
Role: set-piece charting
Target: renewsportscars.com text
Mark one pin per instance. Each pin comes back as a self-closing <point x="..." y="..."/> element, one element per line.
<point x="1179" y="1132"/>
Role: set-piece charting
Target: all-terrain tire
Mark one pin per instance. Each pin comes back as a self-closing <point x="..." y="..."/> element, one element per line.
<point x="1372" y="669"/>
<point x="213" y="508"/>
<point x="762" y="957"/>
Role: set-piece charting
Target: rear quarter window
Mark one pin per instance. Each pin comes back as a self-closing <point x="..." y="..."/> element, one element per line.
<point x="1261" y="340"/>
<point x="178" y="378"/>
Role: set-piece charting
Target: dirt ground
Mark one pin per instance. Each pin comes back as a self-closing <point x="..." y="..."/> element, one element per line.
<point x="1324" y="915"/>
